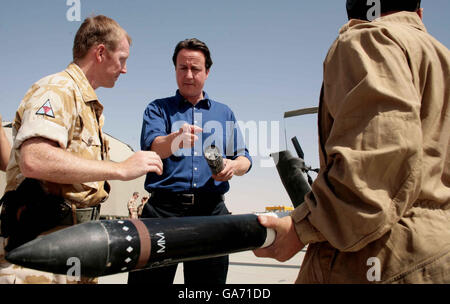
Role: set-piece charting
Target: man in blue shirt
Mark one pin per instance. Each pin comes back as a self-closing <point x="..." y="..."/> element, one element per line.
<point x="179" y="128"/>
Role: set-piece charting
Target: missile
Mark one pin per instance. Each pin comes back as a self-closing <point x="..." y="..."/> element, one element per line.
<point x="112" y="246"/>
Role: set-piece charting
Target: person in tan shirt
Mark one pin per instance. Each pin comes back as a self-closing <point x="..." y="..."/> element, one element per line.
<point x="132" y="206"/>
<point x="59" y="144"/>
<point x="379" y="210"/>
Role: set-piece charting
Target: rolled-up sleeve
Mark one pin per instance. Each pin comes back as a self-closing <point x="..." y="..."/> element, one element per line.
<point x="153" y="125"/>
<point x="371" y="143"/>
<point x="54" y="124"/>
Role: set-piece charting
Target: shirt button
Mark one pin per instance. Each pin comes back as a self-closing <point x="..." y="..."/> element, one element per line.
<point x="195" y="169"/>
<point x="195" y="152"/>
<point x="195" y="185"/>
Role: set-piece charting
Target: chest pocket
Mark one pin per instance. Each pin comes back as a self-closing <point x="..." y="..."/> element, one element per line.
<point x="89" y="135"/>
<point x="91" y="145"/>
<point x="90" y="140"/>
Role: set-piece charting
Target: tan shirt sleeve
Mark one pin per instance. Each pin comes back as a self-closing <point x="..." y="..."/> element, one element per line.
<point x="48" y="113"/>
<point x="371" y="143"/>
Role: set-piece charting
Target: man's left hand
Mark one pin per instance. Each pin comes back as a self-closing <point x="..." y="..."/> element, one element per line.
<point x="228" y="171"/>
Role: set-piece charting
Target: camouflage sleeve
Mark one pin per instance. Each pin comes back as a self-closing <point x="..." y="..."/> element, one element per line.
<point x="49" y="112"/>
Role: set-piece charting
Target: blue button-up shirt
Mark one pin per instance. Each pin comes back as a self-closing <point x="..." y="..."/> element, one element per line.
<point x="187" y="170"/>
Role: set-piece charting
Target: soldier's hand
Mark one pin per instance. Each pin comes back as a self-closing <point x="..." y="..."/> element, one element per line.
<point x="186" y="137"/>
<point x="140" y="163"/>
<point x="286" y="243"/>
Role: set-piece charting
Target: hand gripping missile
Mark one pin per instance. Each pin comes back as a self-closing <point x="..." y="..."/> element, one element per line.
<point x="109" y="247"/>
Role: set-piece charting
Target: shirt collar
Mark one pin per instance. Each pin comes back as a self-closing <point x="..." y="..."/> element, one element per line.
<point x="409" y="18"/>
<point x="204" y="103"/>
<point x="87" y="92"/>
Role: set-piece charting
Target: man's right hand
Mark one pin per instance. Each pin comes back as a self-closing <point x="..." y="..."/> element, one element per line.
<point x="139" y="164"/>
<point x="167" y="145"/>
<point x="185" y="137"/>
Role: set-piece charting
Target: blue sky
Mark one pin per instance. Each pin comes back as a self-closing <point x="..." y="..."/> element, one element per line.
<point x="267" y="57"/>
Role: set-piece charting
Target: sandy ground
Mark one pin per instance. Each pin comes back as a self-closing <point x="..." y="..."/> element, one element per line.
<point x="244" y="268"/>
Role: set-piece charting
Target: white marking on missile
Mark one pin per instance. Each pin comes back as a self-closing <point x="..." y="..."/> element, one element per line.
<point x="271" y="234"/>
<point x="128" y="260"/>
<point x="123" y="268"/>
<point x="126" y="228"/>
<point x="161" y="242"/>
<point x="128" y="238"/>
<point x="270" y="238"/>
<point x="129" y="249"/>
<point x="120" y="222"/>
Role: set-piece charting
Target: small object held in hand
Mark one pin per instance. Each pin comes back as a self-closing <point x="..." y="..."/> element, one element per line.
<point x="214" y="159"/>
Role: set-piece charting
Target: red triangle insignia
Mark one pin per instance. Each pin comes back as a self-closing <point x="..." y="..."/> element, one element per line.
<point x="46" y="110"/>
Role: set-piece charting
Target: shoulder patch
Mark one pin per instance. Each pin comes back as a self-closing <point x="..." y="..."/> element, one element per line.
<point x="46" y="109"/>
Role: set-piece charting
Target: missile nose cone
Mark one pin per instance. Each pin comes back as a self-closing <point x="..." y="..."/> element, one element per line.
<point x="56" y="252"/>
<point x="20" y="255"/>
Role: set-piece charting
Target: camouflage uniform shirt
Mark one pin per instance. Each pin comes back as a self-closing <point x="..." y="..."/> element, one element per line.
<point x="64" y="108"/>
<point x="133" y="207"/>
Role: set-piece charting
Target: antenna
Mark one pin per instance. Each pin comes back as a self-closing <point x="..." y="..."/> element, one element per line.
<point x="297" y="147"/>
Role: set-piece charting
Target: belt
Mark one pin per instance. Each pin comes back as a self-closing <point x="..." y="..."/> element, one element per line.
<point x="186" y="198"/>
<point x="82" y="215"/>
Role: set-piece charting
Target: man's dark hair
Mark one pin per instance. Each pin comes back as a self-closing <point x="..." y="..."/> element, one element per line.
<point x="195" y="45"/>
<point x="357" y="9"/>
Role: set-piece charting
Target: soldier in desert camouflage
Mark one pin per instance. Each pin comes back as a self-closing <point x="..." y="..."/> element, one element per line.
<point x="132" y="206"/>
<point x="58" y="140"/>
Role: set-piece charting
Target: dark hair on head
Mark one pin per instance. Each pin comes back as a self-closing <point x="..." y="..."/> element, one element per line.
<point x="195" y="45"/>
<point x="357" y="9"/>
